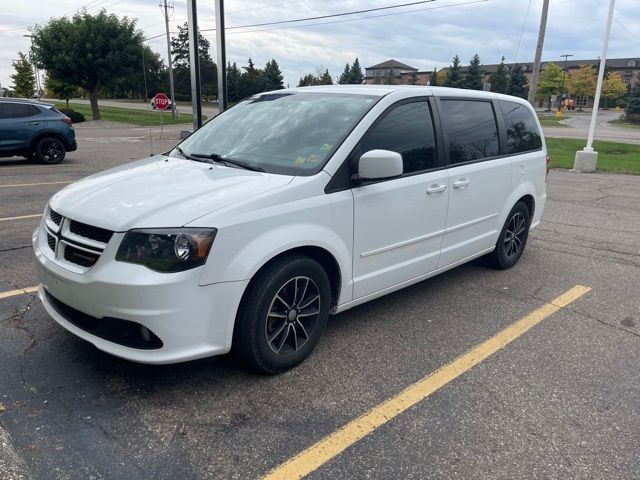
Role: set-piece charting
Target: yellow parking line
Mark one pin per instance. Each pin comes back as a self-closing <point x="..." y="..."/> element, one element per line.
<point x="335" y="443"/>
<point x="21" y="291"/>
<point x="34" y="184"/>
<point x="6" y="219"/>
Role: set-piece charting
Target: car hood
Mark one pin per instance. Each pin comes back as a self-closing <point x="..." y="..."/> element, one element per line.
<point x="159" y="192"/>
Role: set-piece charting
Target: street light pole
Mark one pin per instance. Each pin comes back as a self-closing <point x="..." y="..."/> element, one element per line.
<point x="586" y="160"/>
<point x="165" y="7"/>
<point x="194" y="64"/>
<point x="222" y="57"/>
<point x="564" y="71"/>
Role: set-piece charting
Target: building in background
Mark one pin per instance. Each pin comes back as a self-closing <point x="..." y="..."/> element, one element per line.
<point x="399" y="73"/>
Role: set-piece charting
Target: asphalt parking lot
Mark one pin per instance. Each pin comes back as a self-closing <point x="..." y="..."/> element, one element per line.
<point x="559" y="400"/>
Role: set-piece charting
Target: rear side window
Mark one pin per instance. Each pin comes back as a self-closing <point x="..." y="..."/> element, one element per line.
<point x="17" y="110"/>
<point x="471" y="130"/>
<point x="408" y="130"/>
<point x="522" y="130"/>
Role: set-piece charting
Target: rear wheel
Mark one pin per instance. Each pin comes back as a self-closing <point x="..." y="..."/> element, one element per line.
<point x="512" y="239"/>
<point x="50" y="150"/>
<point x="283" y="314"/>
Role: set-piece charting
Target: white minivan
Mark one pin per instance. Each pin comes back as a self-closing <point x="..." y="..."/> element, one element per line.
<point x="287" y="207"/>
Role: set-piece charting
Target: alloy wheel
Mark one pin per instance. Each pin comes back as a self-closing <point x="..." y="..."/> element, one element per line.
<point x="51" y="151"/>
<point x="293" y="315"/>
<point x="514" y="235"/>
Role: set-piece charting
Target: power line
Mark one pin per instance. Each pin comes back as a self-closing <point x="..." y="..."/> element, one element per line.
<point x="320" y="17"/>
<point x="265" y="6"/>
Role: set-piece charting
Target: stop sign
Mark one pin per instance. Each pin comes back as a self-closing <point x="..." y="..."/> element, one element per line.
<point x="161" y="101"/>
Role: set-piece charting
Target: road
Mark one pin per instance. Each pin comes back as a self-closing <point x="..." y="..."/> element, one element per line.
<point x="560" y="401"/>
<point x="578" y="127"/>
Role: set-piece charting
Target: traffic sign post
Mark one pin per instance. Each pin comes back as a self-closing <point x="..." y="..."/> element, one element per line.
<point x="161" y="102"/>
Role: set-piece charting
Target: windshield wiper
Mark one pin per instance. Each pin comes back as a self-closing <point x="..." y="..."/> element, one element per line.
<point x="215" y="157"/>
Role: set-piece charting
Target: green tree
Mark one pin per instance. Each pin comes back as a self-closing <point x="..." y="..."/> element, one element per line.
<point x="251" y="81"/>
<point x="321" y="77"/>
<point x="325" y="78"/>
<point x="89" y="50"/>
<point x="357" y="76"/>
<point x="582" y="82"/>
<point x="390" y="78"/>
<point x="60" y="90"/>
<point x="345" y="76"/>
<point x="517" y="84"/>
<point x="24" y="82"/>
<point x="550" y="82"/>
<point x="308" y="80"/>
<point x="413" y="78"/>
<point x="499" y="78"/>
<point x="272" y="76"/>
<point x="181" y="65"/>
<point x="474" y="74"/>
<point x="454" y="75"/>
<point x="433" y="79"/>
<point x="613" y="88"/>
<point x="633" y="105"/>
<point x="133" y="85"/>
<point x="233" y="82"/>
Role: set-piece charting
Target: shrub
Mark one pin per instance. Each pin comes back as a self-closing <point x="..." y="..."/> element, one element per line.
<point x="76" y="117"/>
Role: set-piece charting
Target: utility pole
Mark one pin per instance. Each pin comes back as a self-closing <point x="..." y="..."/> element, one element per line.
<point x="144" y="76"/>
<point x="536" y="62"/>
<point x="166" y="8"/>
<point x="586" y="160"/>
<point x="194" y="64"/>
<point x="222" y="57"/>
<point x="564" y="71"/>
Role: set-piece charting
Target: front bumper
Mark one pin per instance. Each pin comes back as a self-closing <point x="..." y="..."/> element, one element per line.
<point x="191" y="321"/>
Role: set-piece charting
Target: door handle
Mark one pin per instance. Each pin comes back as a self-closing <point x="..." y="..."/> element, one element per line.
<point x="435" y="188"/>
<point x="462" y="183"/>
<point x="34" y="123"/>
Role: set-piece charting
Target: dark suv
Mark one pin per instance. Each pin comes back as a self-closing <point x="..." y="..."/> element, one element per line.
<point x="34" y="130"/>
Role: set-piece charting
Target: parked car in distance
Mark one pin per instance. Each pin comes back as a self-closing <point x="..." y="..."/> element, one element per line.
<point x="34" y="130"/>
<point x="290" y="206"/>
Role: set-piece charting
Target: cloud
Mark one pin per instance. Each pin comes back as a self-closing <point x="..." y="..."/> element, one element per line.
<point x="430" y="35"/>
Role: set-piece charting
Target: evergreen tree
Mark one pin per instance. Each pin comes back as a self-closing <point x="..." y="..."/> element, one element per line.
<point x="181" y="64"/>
<point x="499" y="78"/>
<point x="325" y="78"/>
<point x="517" y="82"/>
<point x="251" y="81"/>
<point x="345" y="76"/>
<point x="413" y="78"/>
<point x="356" y="74"/>
<point x="433" y="81"/>
<point x="233" y="82"/>
<point x="308" y="80"/>
<point x="473" y="75"/>
<point x="24" y="82"/>
<point x="633" y="105"/>
<point x="272" y="76"/>
<point x="454" y="75"/>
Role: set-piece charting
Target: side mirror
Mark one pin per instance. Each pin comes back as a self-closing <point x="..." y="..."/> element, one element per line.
<point x="378" y="165"/>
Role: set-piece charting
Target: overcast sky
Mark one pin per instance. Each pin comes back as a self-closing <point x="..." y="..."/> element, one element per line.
<point x="423" y="36"/>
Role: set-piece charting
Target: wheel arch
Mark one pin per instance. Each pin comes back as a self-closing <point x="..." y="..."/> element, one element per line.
<point x="47" y="134"/>
<point x="530" y="202"/>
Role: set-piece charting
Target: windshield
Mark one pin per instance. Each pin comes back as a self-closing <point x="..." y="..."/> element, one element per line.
<point x="292" y="133"/>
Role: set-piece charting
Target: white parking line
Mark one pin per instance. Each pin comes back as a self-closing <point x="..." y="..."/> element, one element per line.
<point x="23" y="217"/>
<point x="34" y="184"/>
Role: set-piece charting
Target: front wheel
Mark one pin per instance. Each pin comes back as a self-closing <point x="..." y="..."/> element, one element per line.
<point x="283" y="314"/>
<point x="512" y="239"/>
<point x="50" y="150"/>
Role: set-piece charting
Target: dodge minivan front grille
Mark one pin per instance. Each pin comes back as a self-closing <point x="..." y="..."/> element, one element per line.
<point x="75" y="242"/>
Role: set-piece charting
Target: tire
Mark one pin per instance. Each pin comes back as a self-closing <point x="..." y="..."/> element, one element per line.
<point x="50" y="150"/>
<point x="283" y="314"/>
<point x="509" y="247"/>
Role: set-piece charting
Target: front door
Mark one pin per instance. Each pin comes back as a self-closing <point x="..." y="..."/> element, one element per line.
<point x="399" y="223"/>
<point x="19" y="123"/>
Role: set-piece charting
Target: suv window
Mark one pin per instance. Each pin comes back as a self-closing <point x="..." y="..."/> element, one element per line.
<point x="522" y="130"/>
<point x="408" y="130"/>
<point x="471" y="129"/>
<point x="17" y="110"/>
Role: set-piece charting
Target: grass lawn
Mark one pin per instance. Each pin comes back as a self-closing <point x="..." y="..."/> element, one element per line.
<point x="622" y="123"/>
<point x="612" y="156"/>
<point x="552" y="121"/>
<point x="145" y="118"/>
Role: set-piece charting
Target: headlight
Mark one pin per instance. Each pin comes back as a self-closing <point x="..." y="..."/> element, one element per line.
<point x="167" y="250"/>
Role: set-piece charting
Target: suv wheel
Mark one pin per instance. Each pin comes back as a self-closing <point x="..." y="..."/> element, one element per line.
<point x="283" y="314"/>
<point x="50" y="150"/>
<point x="512" y="239"/>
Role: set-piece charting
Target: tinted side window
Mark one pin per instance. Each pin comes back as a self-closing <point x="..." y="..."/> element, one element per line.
<point x="17" y="110"/>
<point x="522" y="130"/>
<point x="408" y="130"/>
<point x="471" y="129"/>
